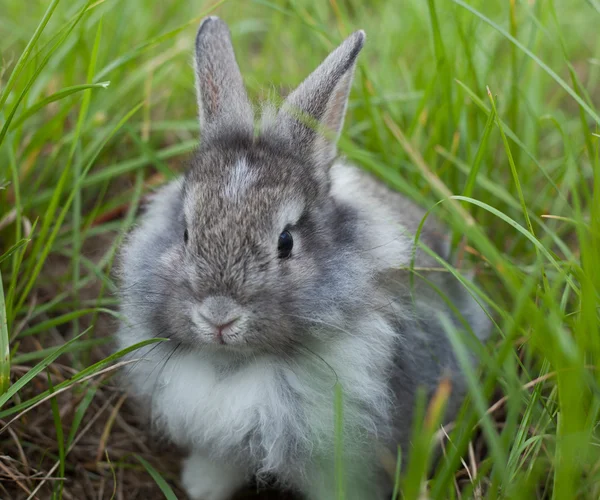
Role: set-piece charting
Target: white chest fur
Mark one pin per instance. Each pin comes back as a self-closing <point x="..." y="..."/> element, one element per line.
<point x="270" y="411"/>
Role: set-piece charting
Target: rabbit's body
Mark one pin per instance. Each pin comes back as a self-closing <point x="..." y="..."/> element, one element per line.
<point x="259" y="336"/>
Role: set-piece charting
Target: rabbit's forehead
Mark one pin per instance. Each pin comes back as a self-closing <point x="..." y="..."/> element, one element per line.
<point x="243" y="191"/>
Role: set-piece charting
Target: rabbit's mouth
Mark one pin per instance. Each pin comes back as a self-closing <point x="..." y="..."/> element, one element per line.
<point x="219" y="320"/>
<point x="230" y="334"/>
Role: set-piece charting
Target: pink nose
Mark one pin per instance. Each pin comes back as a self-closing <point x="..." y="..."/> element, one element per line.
<point x="221" y="328"/>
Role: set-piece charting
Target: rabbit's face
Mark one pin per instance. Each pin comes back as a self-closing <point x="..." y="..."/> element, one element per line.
<point x="263" y="252"/>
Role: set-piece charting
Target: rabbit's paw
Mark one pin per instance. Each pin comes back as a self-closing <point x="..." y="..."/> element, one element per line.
<point x="206" y="479"/>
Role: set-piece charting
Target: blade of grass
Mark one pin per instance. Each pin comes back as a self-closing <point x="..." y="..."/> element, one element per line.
<point x="412" y="483"/>
<point x="82" y="407"/>
<point x="19" y="244"/>
<point x="12" y="287"/>
<point x="4" y="344"/>
<point x="516" y="180"/>
<point x="41" y="366"/>
<point x="60" y="440"/>
<point x="83" y="112"/>
<point x="425" y="426"/>
<point x="25" y="54"/>
<point x="397" y="475"/>
<point x="514" y="91"/>
<point x="470" y="184"/>
<point x="61" y="94"/>
<point x="62" y="319"/>
<point x="16" y="189"/>
<point x="158" y="479"/>
<point x="82" y="345"/>
<point x="443" y="67"/>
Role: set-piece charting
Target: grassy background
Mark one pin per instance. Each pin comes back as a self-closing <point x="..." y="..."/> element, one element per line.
<point x="496" y="103"/>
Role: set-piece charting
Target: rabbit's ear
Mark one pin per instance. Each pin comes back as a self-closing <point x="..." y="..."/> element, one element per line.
<point x="223" y="104"/>
<point x="313" y="115"/>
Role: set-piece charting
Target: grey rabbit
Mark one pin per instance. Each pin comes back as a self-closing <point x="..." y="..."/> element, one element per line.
<point x="275" y="271"/>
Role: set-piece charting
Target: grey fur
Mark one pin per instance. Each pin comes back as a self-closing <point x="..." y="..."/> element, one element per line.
<point x="339" y="309"/>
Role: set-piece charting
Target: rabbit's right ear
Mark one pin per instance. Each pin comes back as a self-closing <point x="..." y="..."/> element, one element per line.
<point x="312" y="116"/>
<point x="223" y="104"/>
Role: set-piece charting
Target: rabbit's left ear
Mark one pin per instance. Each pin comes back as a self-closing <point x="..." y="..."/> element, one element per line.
<point x="312" y="116"/>
<point x="223" y="104"/>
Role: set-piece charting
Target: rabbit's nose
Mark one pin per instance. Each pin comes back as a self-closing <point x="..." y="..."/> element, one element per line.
<point x="220" y="329"/>
<point x="218" y="317"/>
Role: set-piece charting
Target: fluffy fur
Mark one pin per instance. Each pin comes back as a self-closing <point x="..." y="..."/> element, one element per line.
<point x="257" y="343"/>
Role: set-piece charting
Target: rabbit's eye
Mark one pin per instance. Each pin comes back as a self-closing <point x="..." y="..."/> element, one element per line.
<point x="285" y="245"/>
<point x="186" y="236"/>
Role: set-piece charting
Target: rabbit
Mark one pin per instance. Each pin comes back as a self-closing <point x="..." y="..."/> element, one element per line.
<point x="277" y="272"/>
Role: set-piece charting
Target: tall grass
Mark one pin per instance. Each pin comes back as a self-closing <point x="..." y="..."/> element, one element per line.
<point x="487" y="112"/>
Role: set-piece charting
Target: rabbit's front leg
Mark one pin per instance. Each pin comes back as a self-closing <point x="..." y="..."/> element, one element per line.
<point x="207" y="479"/>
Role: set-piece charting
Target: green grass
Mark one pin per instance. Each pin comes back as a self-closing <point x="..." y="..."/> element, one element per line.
<point x="487" y="112"/>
